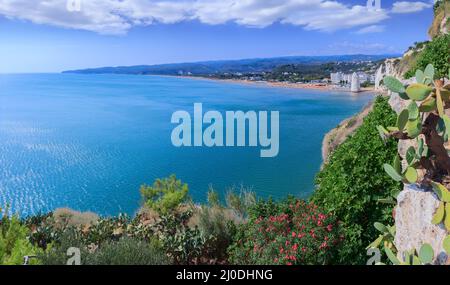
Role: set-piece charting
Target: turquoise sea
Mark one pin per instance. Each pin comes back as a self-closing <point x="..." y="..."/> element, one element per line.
<point x="89" y="141"/>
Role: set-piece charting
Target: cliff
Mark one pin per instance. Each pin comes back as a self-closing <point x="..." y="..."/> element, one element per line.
<point x="337" y="136"/>
<point x="396" y="67"/>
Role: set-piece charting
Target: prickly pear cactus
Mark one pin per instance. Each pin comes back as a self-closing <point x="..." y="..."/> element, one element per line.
<point x="425" y="121"/>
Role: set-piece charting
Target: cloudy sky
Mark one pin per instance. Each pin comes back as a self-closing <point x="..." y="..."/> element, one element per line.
<point x="55" y="35"/>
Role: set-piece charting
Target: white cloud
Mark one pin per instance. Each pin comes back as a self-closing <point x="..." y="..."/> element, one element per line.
<point x="404" y="7"/>
<point x="118" y="16"/>
<point x="371" y="29"/>
<point x="360" y="47"/>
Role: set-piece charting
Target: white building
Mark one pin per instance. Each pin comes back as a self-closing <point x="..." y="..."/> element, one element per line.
<point x="336" y="78"/>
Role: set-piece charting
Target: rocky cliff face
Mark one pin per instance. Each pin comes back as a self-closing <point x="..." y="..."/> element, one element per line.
<point x="416" y="205"/>
<point x="414" y="212"/>
<point x="441" y="23"/>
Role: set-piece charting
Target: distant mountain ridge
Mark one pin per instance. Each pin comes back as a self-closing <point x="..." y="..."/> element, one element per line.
<point x="223" y="66"/>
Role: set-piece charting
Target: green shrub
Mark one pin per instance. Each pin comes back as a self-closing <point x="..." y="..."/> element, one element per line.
<point x="166" y="195"/>
<point x="14" y="244"/>
<point x="353" y="181"/>
<point x="240" y="201"/>
<point x="219" y="225"/>
<point x="128" y="251"/>
<point x="184" y="244"/>
<point x="436" y="53"/>
<point x="270" y="207"/>
<point x="56" y="253"/>
<point x="213" y="197"/>
<point x="303" y="235"/>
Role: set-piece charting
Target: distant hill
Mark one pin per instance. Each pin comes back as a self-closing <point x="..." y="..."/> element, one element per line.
<point x="224" y="66"/>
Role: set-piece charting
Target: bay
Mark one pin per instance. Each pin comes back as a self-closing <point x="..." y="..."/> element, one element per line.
<point x="89" y="141"/>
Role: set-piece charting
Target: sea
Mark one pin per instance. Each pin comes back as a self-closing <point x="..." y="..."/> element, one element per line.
<point x="88" y="142"/>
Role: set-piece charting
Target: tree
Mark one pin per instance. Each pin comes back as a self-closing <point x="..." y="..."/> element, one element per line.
<point x="166" y="195"/>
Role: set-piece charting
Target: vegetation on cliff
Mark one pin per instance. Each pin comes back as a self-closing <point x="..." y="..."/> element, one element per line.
<point x="353" y="181"/>
<point x="436" y="53"/>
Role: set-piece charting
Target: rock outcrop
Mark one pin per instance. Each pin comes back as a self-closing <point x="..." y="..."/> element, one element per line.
<point x="413" y="214"/>
<point x="440" y="25"/>
<point x="356" y="85"/>
<point x="378" y="77"/>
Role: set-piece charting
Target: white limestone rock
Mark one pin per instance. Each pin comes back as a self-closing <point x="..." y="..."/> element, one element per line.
<point x="378" y="77"/>
<point x="355" y="86"/>
<point x="413" y="214"/>
<point x="397" y="103"/>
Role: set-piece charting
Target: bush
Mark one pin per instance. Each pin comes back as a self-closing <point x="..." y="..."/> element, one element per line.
<point x="166" y="195"/>
<point x="56" y="253"/>
<point x="240" y="201"/>
<point x="353" y="180"/>
<point x="185" y="245"/>
<point x="128" y="251"/>
<point x="304" y="236"/>
<point x="436" y="53"/>
<point x="67" y="217"/>
<point x="14" y="244"/>
<point x="219" y="225"/>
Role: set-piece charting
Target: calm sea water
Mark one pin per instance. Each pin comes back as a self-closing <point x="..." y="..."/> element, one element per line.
<point x="89" y="141"/>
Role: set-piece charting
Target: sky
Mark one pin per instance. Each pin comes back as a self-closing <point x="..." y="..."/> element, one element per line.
<point x="58" y="35"/>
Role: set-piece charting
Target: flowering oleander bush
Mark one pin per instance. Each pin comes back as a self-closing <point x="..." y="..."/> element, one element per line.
<point x="302" y="235"/>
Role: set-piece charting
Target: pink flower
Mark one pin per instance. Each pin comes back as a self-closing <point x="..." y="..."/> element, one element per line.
<point x="323" y="245"/>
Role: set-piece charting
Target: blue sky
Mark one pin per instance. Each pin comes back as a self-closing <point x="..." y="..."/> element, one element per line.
<point x="46" y="36"/>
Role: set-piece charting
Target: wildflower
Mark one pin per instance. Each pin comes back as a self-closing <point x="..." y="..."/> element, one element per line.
<point x="330" y="227"/>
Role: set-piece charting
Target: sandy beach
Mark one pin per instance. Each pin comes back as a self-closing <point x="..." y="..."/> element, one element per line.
<point x="321" y="86"/>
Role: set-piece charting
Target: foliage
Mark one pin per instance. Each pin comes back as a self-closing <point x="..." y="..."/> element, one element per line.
<point x="166" y="195"/>
<point x="213" y="197"/>
<point x="304" y="236"/>
<point x="42" y="231"/>
<point x="386" y="238"/>
<point x="56" y="254"/>
<point x="128" y="251"/>
<point x="425" y="255"/>
<point x="240" y="201"/>
<point x="436" y="53"/>
<point x="125" y="251"/>
<point x="352" y="182"/>
<point x="183" y="244"/>
<point x="219" y="224"/>
<point x="68" y="217"/>
<point x="14" y="244"/>
<point x="425" y="121"/>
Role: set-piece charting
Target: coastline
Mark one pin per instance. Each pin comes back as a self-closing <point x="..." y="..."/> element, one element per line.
<point x="288" y="85"/>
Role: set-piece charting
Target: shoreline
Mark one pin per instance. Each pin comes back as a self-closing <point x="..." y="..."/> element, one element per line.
<point x="287" y="85"/>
